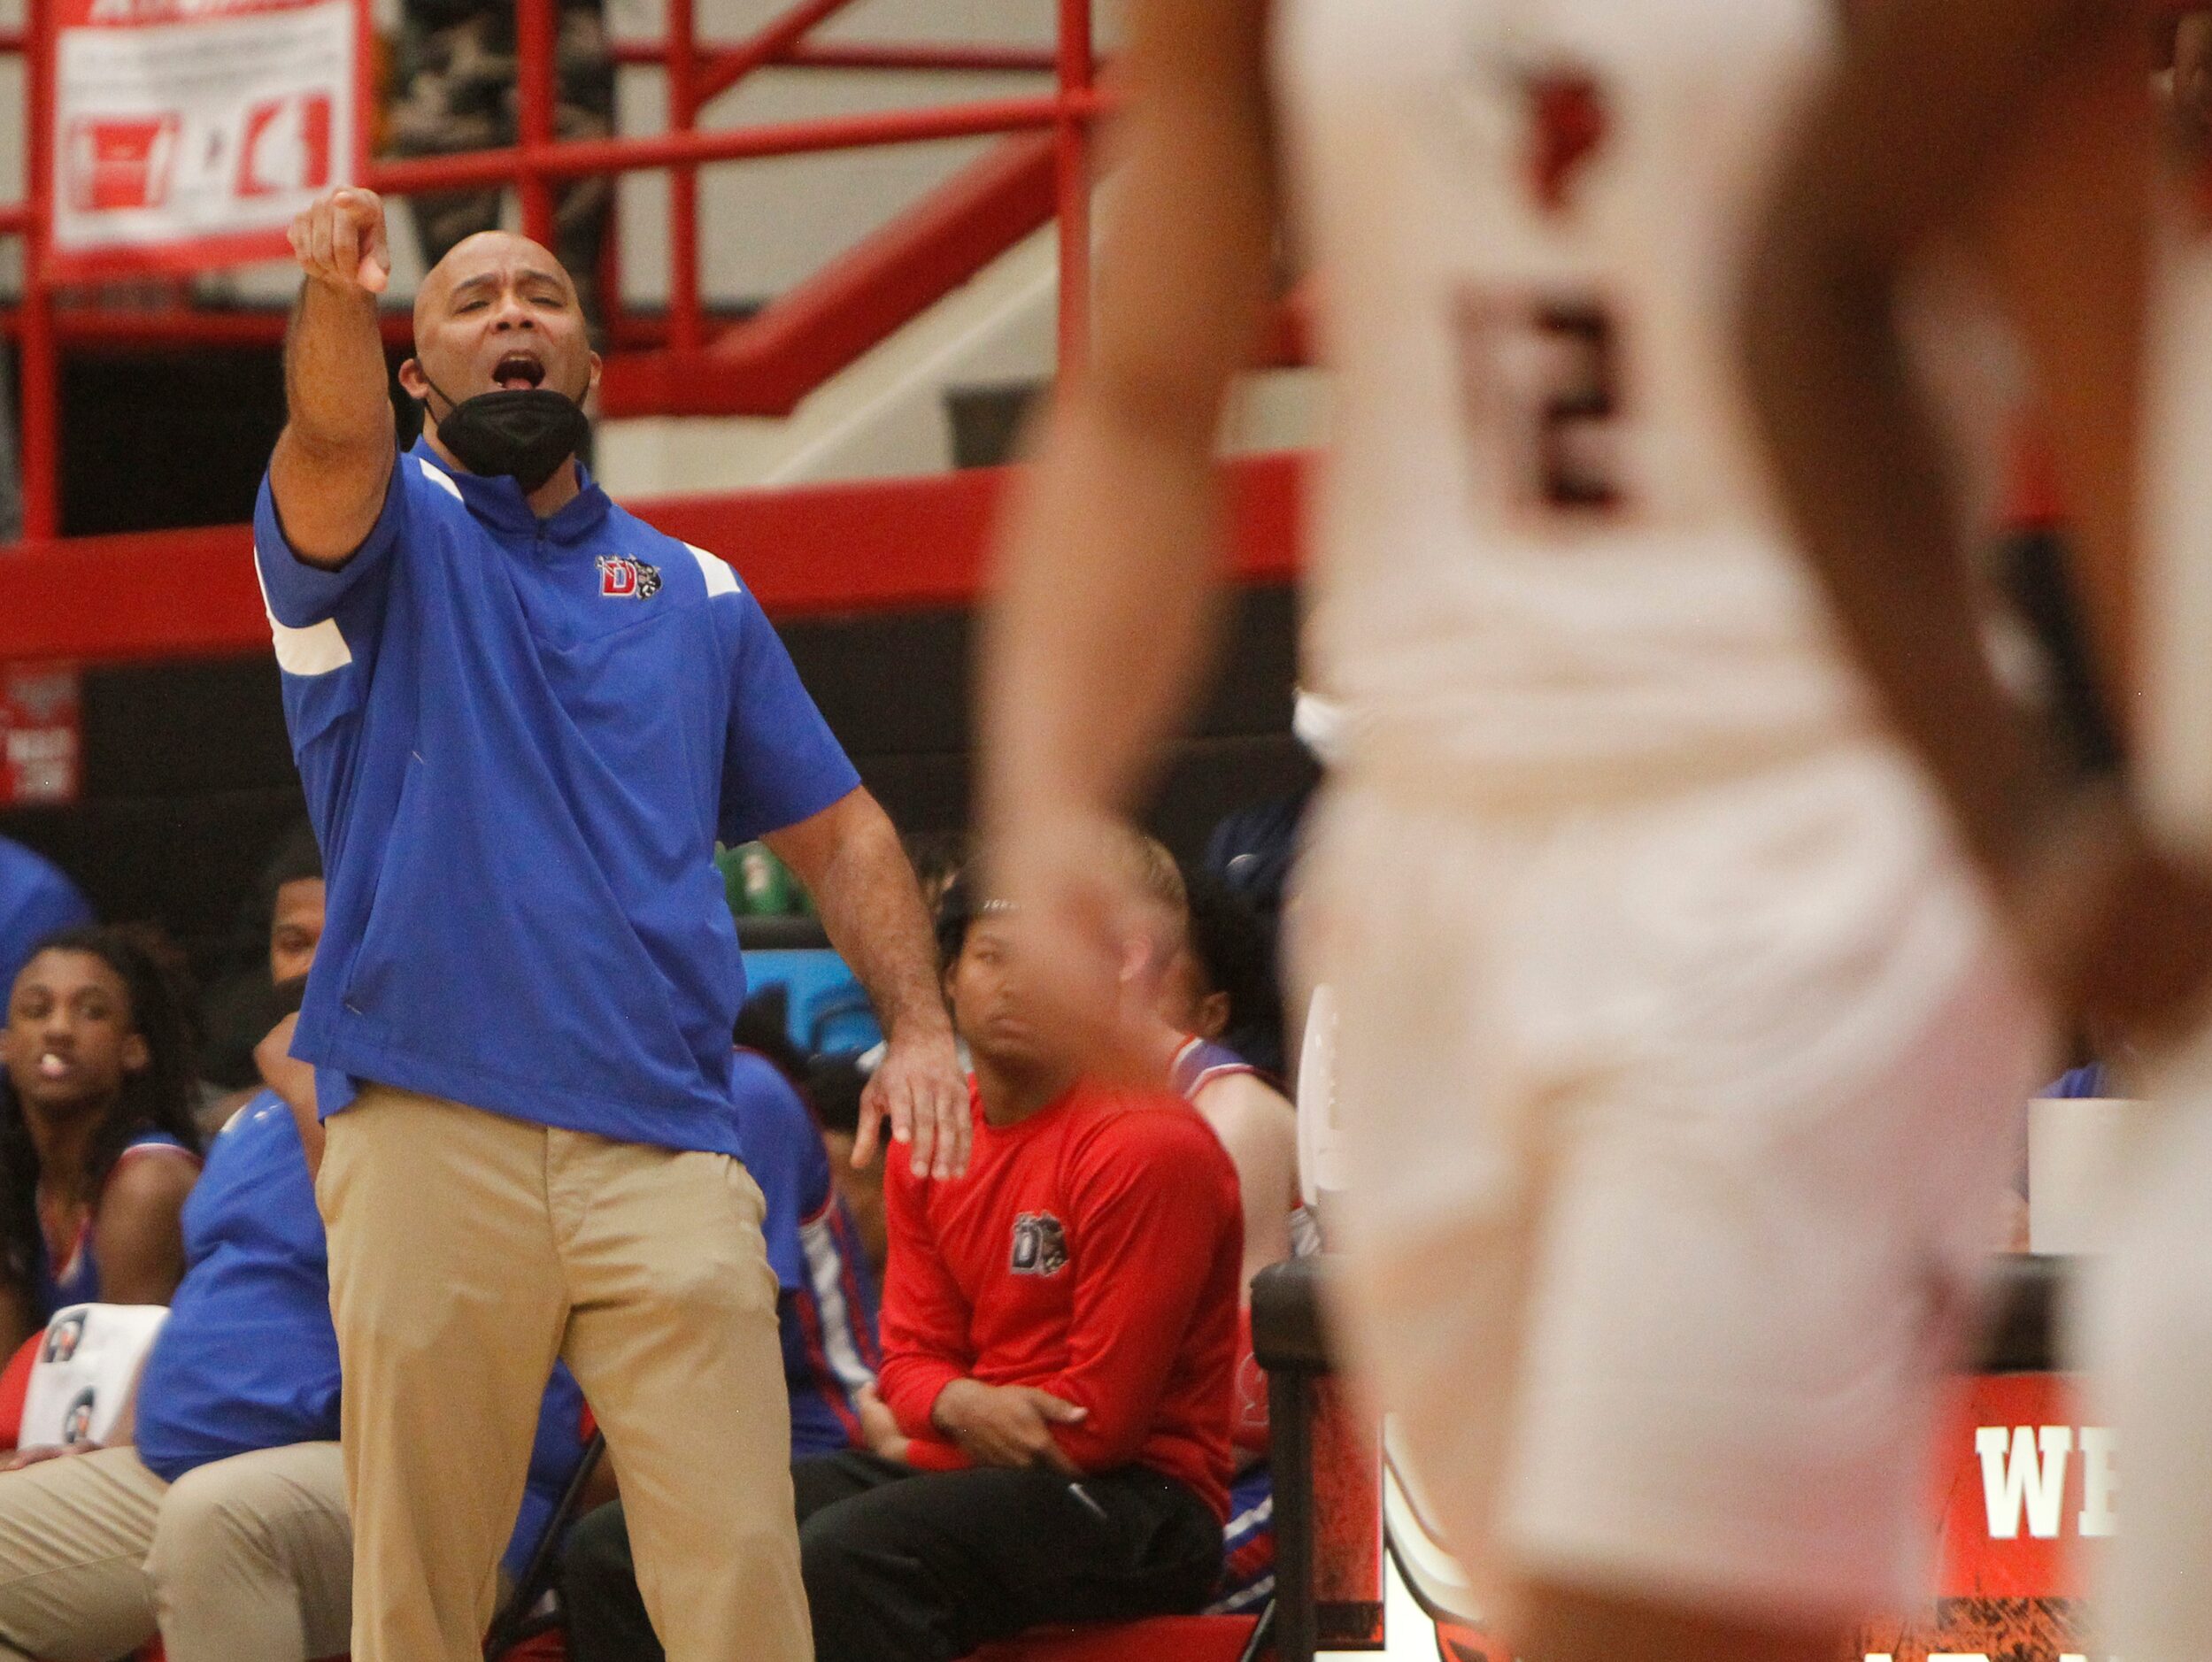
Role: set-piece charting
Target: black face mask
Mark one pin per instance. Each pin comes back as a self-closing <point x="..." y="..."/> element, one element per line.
<point x="525" y="433"/>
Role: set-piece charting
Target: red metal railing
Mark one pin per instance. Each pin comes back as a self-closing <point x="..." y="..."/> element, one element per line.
<point x="42" y="325"/>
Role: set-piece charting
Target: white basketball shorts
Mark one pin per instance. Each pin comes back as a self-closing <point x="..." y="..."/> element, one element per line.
<point x="1677" y="1126"/>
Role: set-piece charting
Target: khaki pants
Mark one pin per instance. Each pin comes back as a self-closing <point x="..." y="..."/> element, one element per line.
<point x="247" y="1559"/>
<point x="467" y="1252"/>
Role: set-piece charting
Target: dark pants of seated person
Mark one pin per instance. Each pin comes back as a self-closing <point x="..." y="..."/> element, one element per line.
<point x="907" y="1566"/>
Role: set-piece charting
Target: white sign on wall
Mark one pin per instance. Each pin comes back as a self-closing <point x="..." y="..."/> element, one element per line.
<point x="186" y="134"/>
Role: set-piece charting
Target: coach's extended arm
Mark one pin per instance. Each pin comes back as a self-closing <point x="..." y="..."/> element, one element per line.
<point x="334" y="456"/>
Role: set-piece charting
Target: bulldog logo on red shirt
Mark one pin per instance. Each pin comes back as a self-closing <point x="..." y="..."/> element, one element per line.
<point x="1040" y="1245"/>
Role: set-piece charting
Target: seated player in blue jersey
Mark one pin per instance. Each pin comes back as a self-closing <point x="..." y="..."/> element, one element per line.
<point x="826" y="1300"/>
<point x="98" y="1147"/>
<point x="834" y="1088"/>
<point x="217" y="1513"/>
<point x="825" y="1290"/>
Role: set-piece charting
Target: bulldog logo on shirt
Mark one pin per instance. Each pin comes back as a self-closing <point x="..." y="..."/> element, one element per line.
<point x="623" y="578"/>
<point x="1040" y="1245"/>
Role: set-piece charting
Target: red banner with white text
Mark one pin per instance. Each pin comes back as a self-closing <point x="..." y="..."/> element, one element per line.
<point x="186" y="134"/>
<point x="2025" y="1490"/>
<point x="41" y="746"/>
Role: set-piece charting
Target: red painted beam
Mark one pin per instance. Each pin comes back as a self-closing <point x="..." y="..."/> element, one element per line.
<point x="768" y="45"/>
<point x="168" y="594"/>
<point x="918" y="55"/>
<point x="765" y="366"/>
<point x="165" y="327"/>
<point x="576" y="158"/>
<point x="933" y="57"/>
<point x="873" y="545"/>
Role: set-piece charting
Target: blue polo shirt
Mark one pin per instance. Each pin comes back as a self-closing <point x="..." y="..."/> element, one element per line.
<point x="520" y="741"/>
<point x="248" y="1358"/>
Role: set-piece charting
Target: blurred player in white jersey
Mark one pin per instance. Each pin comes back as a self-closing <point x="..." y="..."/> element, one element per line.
<point x="1926" y="139"/>
<point x="1678" y="1045"/>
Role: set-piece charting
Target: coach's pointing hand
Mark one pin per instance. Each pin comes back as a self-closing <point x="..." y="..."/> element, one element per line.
<point x="340" y="240"/>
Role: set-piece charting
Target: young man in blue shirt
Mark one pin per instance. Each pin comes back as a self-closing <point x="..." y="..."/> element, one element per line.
<point x="523" y="718"/>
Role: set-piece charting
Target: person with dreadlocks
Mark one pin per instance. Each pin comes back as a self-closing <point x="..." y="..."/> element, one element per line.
<point x="98" y="1147"/>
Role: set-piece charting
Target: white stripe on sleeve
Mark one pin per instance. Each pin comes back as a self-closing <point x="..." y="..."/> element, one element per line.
<point x="316" y="649"/>
<point x="720" y="579"/>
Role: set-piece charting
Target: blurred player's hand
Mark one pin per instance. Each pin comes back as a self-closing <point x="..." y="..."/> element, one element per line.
<point x="2120" y="932"/>
<point x="339" y="240"/>
<point x="922" y="1090"/>
<point x="1080" y="931"/>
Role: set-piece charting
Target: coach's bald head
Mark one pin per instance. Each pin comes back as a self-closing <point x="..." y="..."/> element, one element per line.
<point x="498" y="312"/>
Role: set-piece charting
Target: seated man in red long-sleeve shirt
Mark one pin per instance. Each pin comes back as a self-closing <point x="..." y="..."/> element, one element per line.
<point x="1059" y="1328"/>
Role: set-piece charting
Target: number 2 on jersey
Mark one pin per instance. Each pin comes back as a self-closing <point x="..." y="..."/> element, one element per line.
<point x="1540" y="382"/>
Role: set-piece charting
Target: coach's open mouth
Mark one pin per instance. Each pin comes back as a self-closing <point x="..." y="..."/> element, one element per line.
<point x="518" y="372"/>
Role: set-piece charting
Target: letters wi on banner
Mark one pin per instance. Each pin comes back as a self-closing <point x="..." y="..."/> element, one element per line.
<point x="2028" y="1492"/>
<point x="2025" y="1492"/>
<point x="186" y="134"/>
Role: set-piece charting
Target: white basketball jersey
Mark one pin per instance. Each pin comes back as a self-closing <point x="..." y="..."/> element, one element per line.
<point x="1547" y="541"/>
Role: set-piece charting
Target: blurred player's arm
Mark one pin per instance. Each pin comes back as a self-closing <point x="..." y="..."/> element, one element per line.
<point x="2023" y="133"/>
<point x="1106" y="609"/>
<point x="334" y="456"/>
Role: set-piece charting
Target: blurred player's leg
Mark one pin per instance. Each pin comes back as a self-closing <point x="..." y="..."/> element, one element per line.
<point x="1661" y="1257"/>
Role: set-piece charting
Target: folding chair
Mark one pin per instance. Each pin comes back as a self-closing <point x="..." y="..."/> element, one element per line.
<point x="523" y="1618"/>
